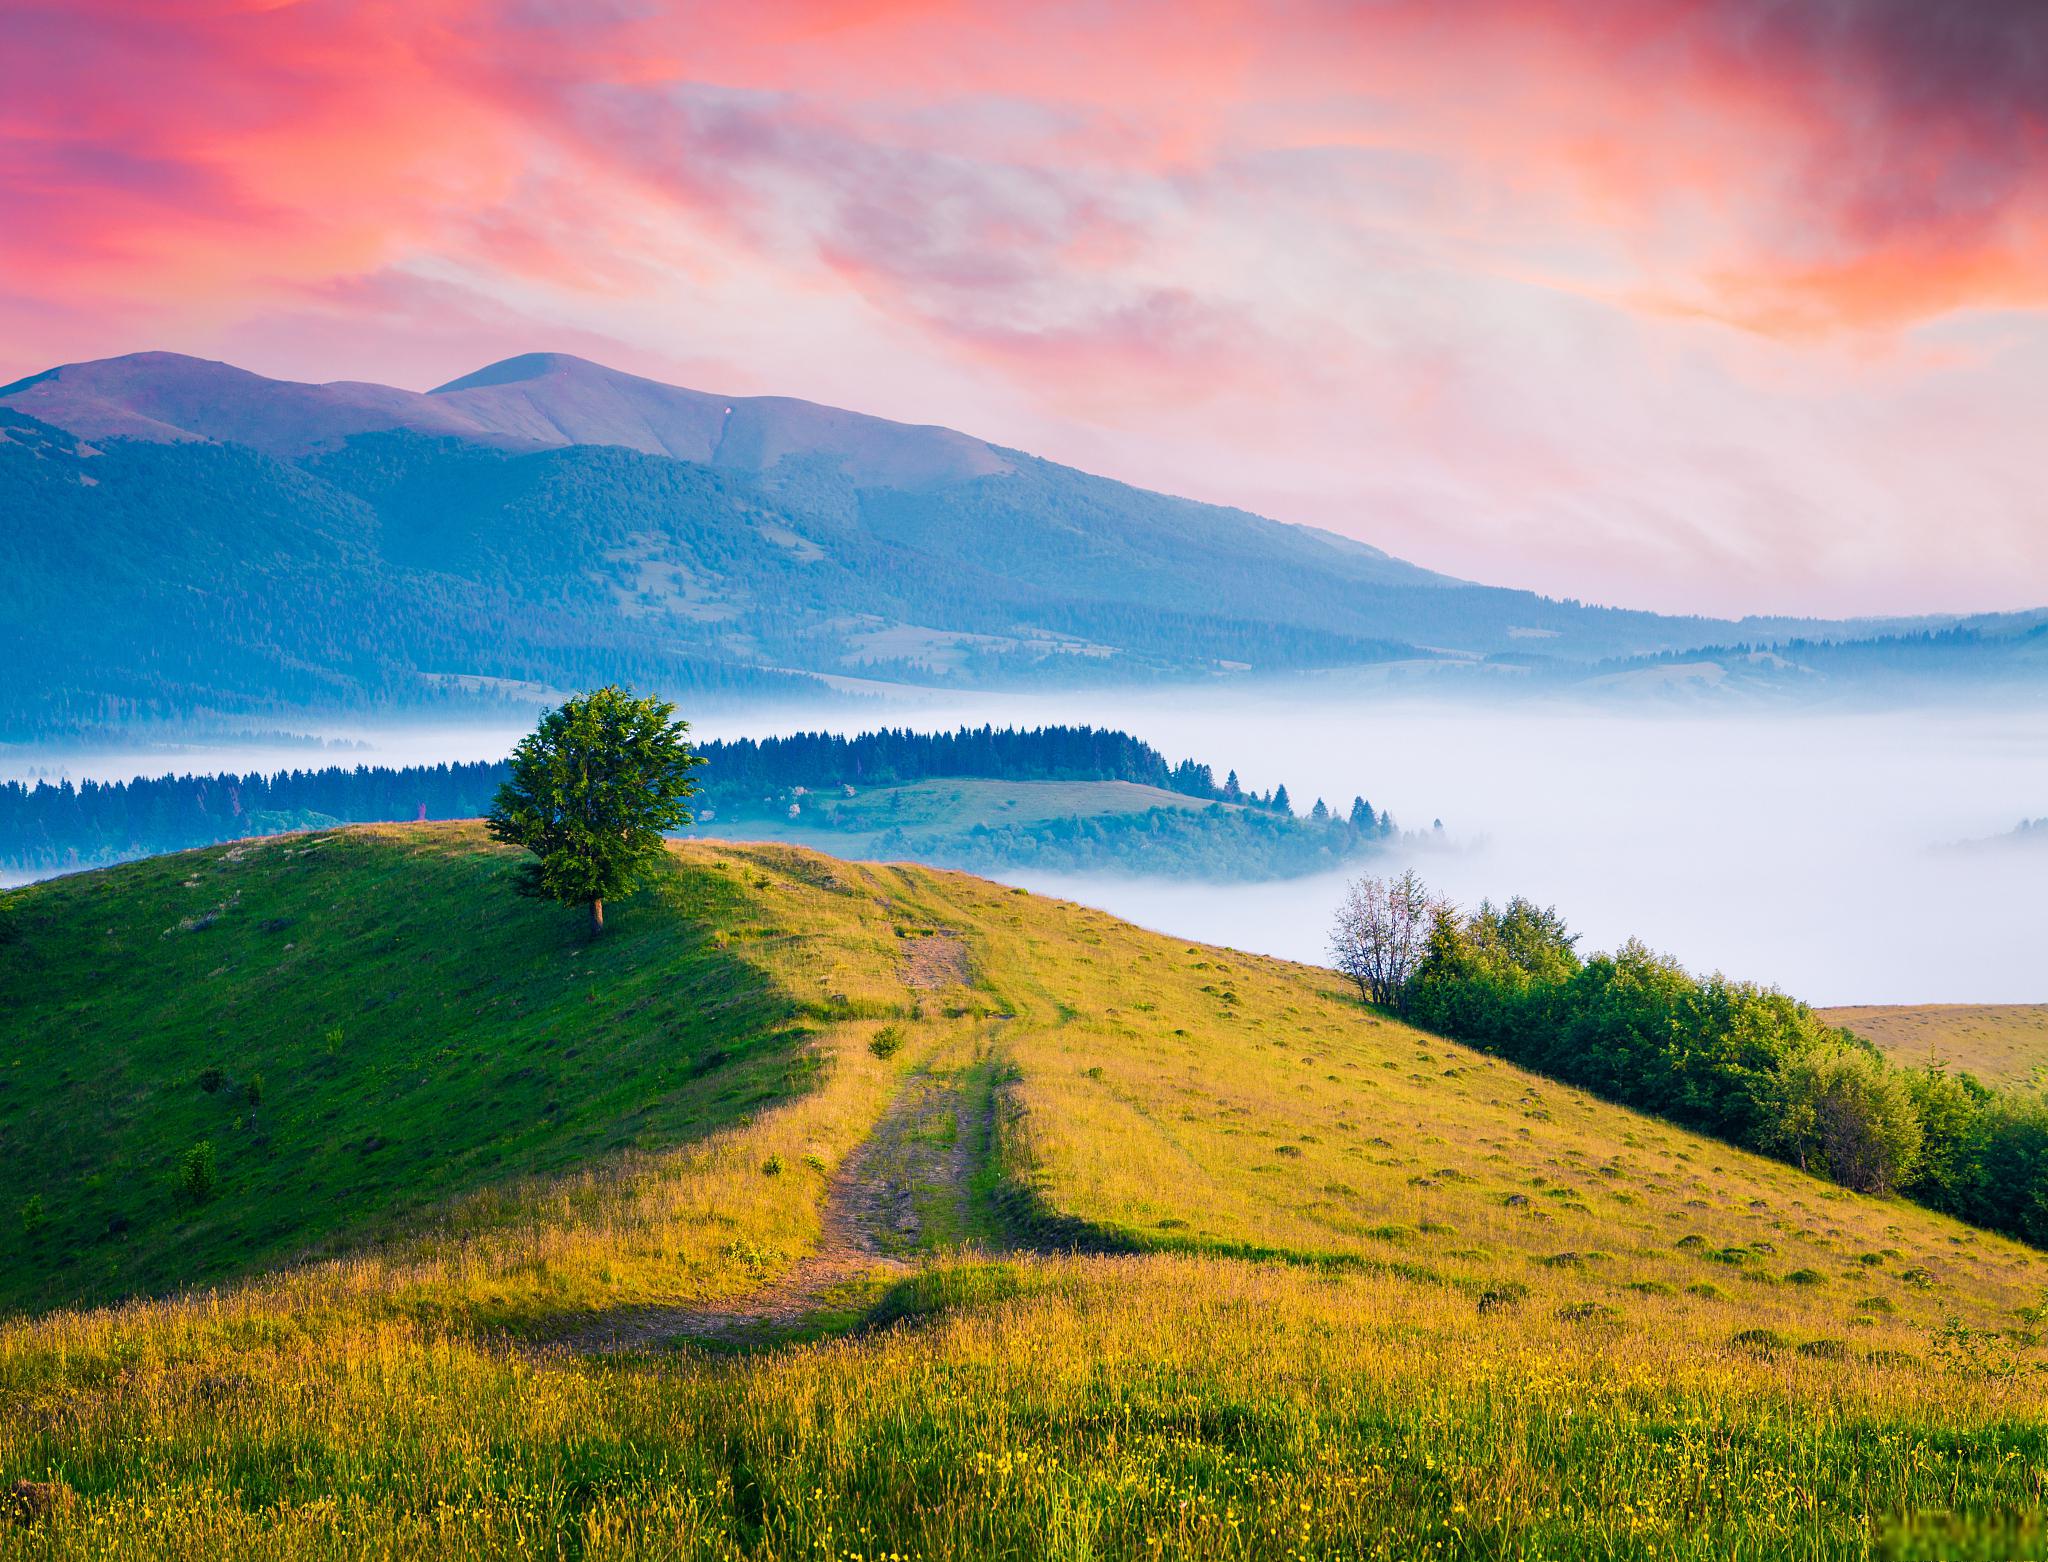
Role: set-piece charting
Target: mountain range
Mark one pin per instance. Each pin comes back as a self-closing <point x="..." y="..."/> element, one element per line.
<point x="192" y="543"/>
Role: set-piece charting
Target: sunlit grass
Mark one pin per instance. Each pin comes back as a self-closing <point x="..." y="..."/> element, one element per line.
<point x="2000" y="1043"/>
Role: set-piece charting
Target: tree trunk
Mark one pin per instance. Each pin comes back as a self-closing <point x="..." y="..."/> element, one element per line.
<point x="596" y="917"/>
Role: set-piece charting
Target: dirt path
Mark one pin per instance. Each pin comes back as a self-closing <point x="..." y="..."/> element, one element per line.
<point x="902" y="1193"/>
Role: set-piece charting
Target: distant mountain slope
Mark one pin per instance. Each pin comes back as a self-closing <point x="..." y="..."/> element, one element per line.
<point x="191" y="542"/>
<point x="537" y="400"/>
<point x="2002" y="651"/>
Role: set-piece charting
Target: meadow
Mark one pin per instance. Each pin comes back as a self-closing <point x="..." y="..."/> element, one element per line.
<point x="1193" y="1254"/>
<point x="2000" y="1043"/>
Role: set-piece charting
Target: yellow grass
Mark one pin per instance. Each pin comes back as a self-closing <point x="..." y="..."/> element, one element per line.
<point x="2000" y="1043"/>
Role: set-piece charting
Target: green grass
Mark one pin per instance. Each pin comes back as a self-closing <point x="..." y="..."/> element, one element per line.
<point x="2002" y="1044"/>
<point x="1343" y="1289"/>
<point x="959" y="803"/>
<point x="358" y="1029"/>
<point x="1105" y="826"/>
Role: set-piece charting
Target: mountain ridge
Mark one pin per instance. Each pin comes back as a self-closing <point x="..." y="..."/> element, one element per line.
<point x="531" y="400"/>
<point x="191" y="543"/>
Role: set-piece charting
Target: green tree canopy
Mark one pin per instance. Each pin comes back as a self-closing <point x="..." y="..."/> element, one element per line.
<point x="592" y="790"/>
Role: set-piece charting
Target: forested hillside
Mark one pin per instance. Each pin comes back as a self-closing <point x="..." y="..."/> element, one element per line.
<point x="778" y="787"/>
<point x="285" y="548"/>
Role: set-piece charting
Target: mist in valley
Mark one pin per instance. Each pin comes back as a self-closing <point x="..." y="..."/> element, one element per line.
<point x="1823" y="852"/>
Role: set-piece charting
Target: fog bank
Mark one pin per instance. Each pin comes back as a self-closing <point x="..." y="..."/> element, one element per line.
<point x="1815" y="851"/>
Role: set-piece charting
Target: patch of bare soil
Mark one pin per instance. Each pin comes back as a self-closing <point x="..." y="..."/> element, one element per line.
<point x="938" y="960"/>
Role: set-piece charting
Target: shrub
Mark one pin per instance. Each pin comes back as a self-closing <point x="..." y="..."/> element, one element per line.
<point x="772" y="1167"/>
<point x="1497" y="1298"/>
<point x="886" y="1042"/>
<point x="1824" y="1350"/>
<point x="211" y="1079"/>
<point x="199" y="1176"/>
<point x="1806" y="1277"/>
<point x="199" y="1173"/>
<point x="33" y="1219"/>
<point x="1852" y="1113"/>
<point x="252" y="1092"/>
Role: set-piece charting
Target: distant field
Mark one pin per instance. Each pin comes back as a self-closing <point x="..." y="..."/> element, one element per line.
<point x="824" y="1210"/>
<point x="1083" y="826"/>
<point x="945" y="805"/>
<point x="1999" y="1043"/>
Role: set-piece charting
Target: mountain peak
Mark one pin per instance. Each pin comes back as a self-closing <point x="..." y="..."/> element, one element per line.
<point x="535" y="400"/>
<point x="526" y="366"/>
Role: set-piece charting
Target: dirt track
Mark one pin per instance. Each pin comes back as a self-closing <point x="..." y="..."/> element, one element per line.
<point x="902" y="1191"/>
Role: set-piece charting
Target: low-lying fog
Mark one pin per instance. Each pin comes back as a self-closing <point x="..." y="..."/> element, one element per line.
<point x="1815" y="851"/>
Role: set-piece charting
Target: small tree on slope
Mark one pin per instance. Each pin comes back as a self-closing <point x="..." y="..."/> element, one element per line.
<point x="592" y="790"/>
<point x="1381" y="932"/>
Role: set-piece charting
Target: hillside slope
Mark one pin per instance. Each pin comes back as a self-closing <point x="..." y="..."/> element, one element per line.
<point x="2000" y="1043"/>
<point x="1356" y="1292"/>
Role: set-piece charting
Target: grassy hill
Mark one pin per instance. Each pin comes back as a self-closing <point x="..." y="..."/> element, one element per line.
<point x="833" y="1210"/>
<point x="2000" y="1043"/>
<point x="1088" y="826"/>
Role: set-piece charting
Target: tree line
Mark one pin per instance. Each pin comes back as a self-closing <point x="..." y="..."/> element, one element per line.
<point x="1742" y="1062"/>
<point x="45" y="826"/>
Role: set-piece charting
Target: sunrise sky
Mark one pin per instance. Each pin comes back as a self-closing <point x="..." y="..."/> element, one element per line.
<point x="1732" y="305"/>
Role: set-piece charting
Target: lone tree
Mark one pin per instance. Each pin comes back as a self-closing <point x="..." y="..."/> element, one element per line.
<point x="1380" y="934"/>
<point x="592" y="790"/>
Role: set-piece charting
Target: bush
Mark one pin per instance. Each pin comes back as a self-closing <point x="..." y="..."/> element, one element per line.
<point x="772" y="1167"/>
<point x="1854" y="1115"/>
<point x="199" y="1173"/>
<point x="886" y="1042"/>
<point x="252" y="1092"/>
<point x="211" y="1079"/>
<point x="33" y="1219"/>
<point x="1746" y="1063"/>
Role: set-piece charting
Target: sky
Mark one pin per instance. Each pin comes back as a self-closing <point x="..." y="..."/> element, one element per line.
<point x="1716" y="305"/>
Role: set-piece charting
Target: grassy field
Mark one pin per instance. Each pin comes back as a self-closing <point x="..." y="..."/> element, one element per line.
<point x="2001" y="1043"/>
<point x="1098" y="826"/>
<point x="999" y="1228"/>
<point x="944" y="806"/>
